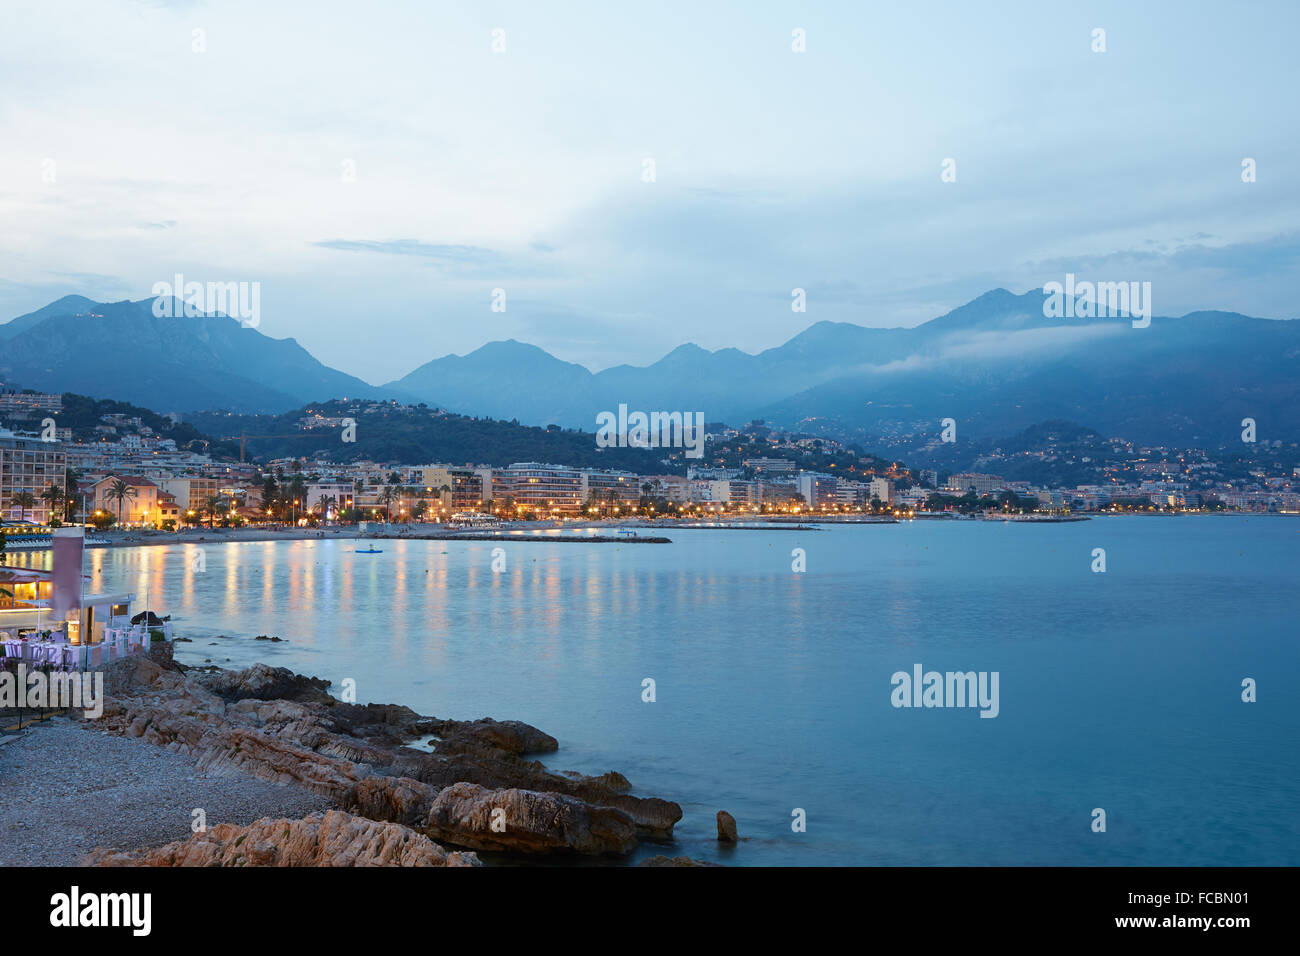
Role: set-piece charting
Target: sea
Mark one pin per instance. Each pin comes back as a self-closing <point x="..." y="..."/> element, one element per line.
<point x="1148" y="674"/>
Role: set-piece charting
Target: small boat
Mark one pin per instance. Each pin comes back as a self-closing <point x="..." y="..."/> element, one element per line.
<point x="367" y="550"/>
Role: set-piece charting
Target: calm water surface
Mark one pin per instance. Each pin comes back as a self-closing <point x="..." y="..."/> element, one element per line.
<point x="1119" y="690"/>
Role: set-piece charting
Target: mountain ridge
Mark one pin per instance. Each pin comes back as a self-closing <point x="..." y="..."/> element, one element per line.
<point x="994" y="363"/>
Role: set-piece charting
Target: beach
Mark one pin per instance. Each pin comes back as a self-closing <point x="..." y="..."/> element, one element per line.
<point x="184" y="763"/>
<point x="69" y="791"/>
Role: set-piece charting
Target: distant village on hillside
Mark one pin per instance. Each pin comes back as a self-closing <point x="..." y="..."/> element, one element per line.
<point x="124" y="468"/>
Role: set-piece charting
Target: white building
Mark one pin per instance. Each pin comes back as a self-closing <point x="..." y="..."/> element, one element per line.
<point x="883" y="489"/>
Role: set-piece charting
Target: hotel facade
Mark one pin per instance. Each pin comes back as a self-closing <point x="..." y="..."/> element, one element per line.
<point x="28" y="464"/>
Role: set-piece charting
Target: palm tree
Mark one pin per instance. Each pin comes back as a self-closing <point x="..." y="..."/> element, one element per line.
<point x="297" y="491"/>
<point x="386" y="498"/>
<point x="71" y="478"/>
<point x="24" y="500"/>
<point x="120" y="492"/>
<point x="442" y="490"/>
<point x="211" y="505"/>
<point x="324" y="503"/>
<point x="54" y="496"/>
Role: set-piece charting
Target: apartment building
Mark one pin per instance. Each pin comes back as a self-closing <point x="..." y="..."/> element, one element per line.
<point x="617" y="486"/>
<point x="468" y="487"/>
<point x="778" y="466"/>
<point x="191" y="494"/>
<point x="966" y="482"/>
<point x="341" y="491"/>
<point x="544" y="488"/>
<point x="30" y="465"/>
<point x="30" y="401"/>
<point x="673" y="488"/>
<point x="818" y="489"/>
<point x="731" y="491"/>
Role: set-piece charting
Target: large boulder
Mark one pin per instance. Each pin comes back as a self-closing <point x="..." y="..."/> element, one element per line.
<point x="333" y="838"/>
<point x="528" y="822"/>
<point x="726" y="827"/>
<point x="263" y="682"/>
<point x="510" y="736"/>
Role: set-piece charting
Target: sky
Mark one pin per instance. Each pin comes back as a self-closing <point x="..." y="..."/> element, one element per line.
<point x="380" y="169"/>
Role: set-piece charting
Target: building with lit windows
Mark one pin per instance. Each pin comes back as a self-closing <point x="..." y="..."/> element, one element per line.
<point x="28" y="465"/>
<point x="544" y="489"/>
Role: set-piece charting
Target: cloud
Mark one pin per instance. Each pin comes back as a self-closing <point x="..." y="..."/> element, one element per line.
<point x="451" y="258"/>
<point x="999" y="344"/>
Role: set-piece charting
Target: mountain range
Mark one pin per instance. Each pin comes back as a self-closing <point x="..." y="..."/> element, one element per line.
<point x="994" y="365"/>
<point x="122" y="350"/>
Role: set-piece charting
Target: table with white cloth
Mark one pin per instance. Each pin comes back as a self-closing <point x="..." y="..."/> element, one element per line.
<point x="52" y="653"/>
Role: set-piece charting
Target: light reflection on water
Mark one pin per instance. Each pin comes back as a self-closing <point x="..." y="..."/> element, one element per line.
<point x="1118" y="690"/>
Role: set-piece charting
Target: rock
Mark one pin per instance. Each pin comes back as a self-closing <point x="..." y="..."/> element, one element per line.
<point x="726" y="827"/>
<point x="399" y="799"/>
<point x="512" y="736"/>
<point x="333" y="838"/>
<point x="674" y="861"/>
<point x="274" y="725"/>
<point x="526" y="821"/>
<point x="269" y="683"/>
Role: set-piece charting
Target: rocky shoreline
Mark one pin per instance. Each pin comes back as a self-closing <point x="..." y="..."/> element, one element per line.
<point x="389" y="803"/>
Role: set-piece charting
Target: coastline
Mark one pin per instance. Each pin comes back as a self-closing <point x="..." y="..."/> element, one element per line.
<point x="263" y="747"/>
<point x="523" y="531"/>
<point x="515" y="531"/>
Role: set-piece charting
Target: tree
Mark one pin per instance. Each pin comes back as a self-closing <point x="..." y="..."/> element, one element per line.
<point x="270" y="492"/>
<point x="211" y="505"/>
<point x="71" y="481"/>
<point x="120" y="492"/>
<point x="297" y="492"/>
<point x="54" y="497"/>
<point x="23" y="500"/>
<point x="386" y="498"/>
